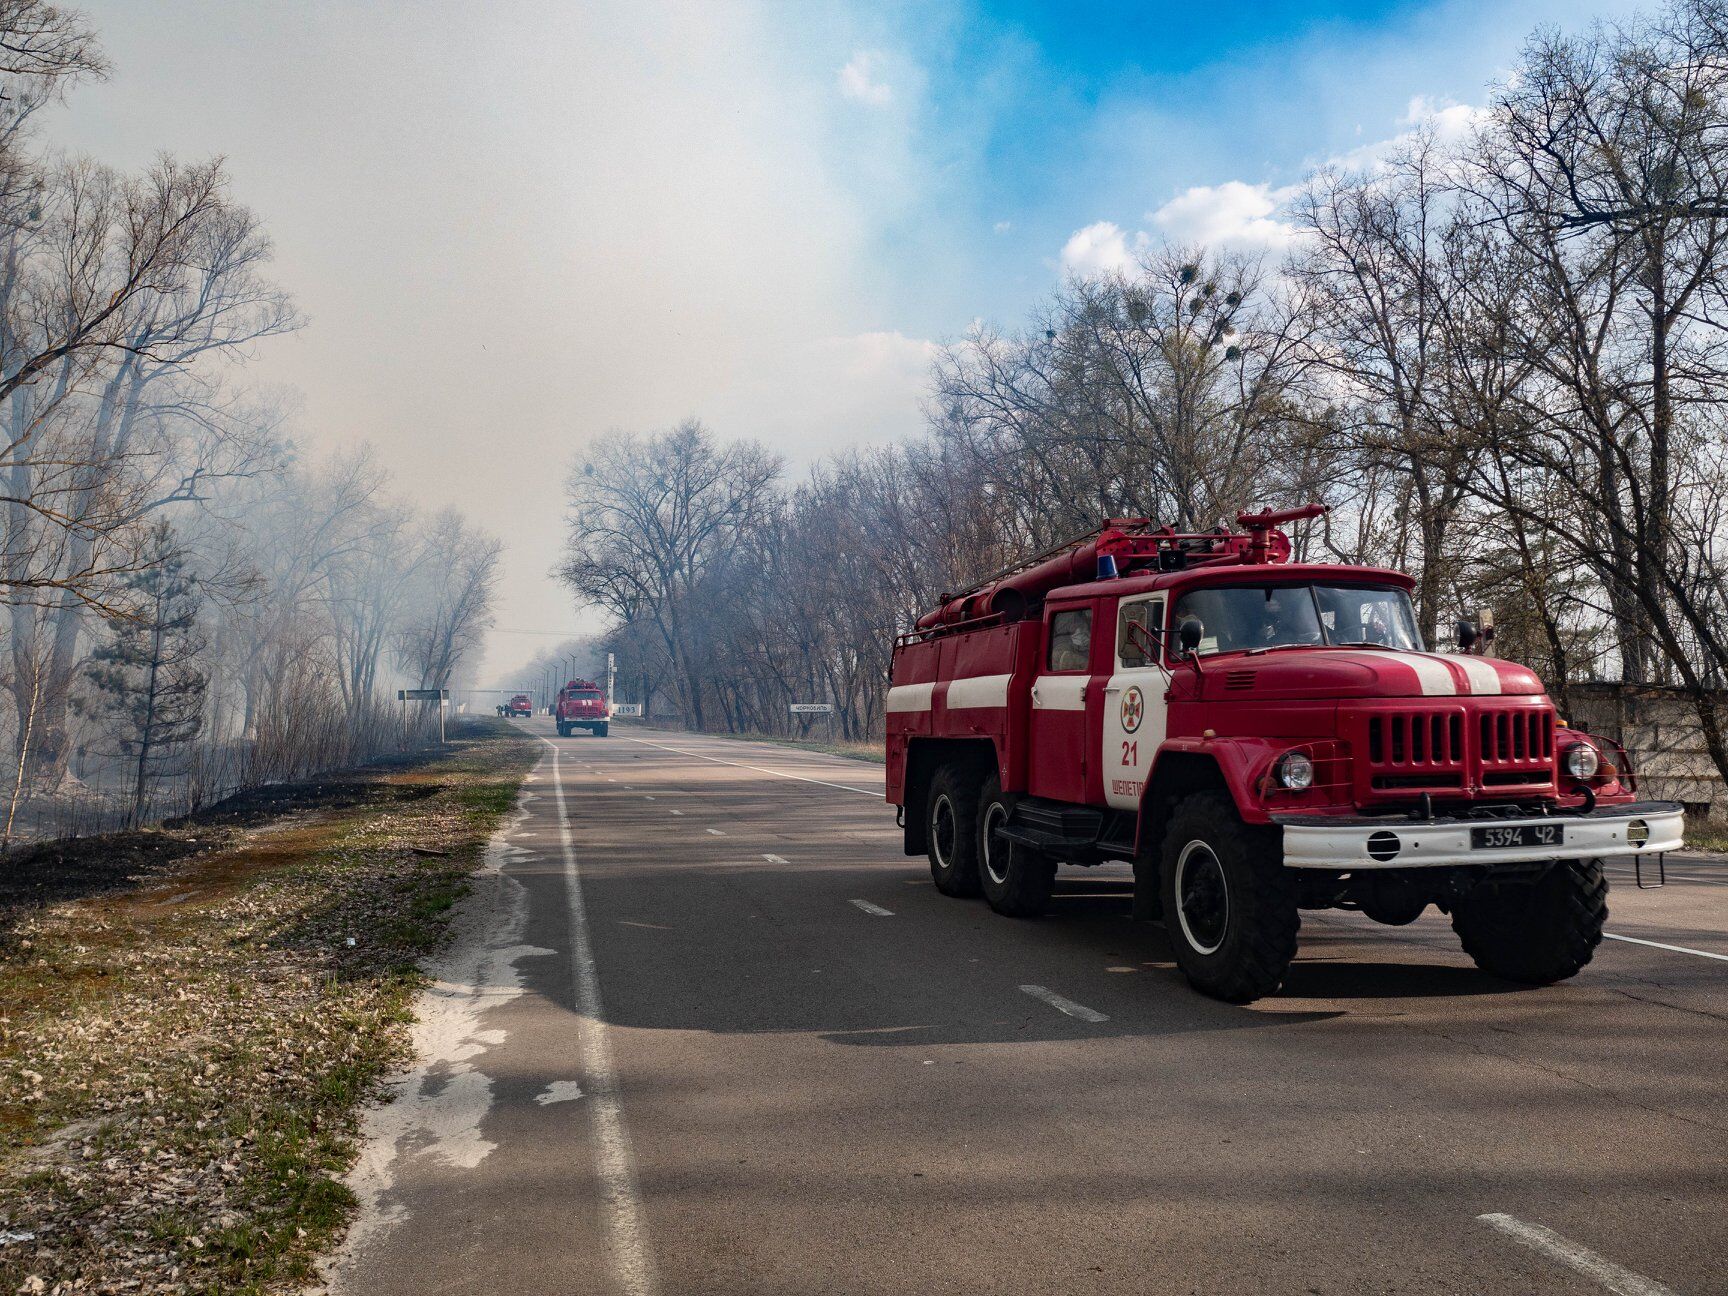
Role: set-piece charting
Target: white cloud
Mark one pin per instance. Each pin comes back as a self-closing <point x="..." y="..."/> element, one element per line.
<point x="1002" y="227"/>
<point x="1450" y="122"/>
<point x="1103" y="247"/>
<point x="1237" y="216"/>
<point x="1233" y="216"/>
<point x="857" y="81"/>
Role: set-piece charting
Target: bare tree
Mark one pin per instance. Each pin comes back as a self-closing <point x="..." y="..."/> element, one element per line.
<point x="651" y="521"/>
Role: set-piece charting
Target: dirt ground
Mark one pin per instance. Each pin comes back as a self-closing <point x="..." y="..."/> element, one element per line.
<point x="191" y="1017"/>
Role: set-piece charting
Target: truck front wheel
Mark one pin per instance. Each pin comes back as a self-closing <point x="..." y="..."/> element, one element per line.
<point x="563" y="730"/>
<point x="1229" y="902"/>
<point x="1016" y="879"/>
<point x="1538" y="932"/>
<point x="952" y="810"/>
<point x="601" y="730"/>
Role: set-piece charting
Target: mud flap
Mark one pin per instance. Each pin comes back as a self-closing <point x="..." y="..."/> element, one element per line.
<point x="1148" y="896"/>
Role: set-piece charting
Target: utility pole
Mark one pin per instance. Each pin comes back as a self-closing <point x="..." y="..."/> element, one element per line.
<point x="611" y="680"/>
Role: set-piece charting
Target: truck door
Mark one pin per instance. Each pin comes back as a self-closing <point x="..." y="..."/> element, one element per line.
<point x="1060" y="754"/>
<point x="1134" y="707"/>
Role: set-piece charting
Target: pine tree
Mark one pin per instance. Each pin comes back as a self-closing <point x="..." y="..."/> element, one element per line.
<point x="149" y="687"/>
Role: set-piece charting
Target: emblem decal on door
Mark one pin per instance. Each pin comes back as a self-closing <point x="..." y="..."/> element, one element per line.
<point x="1133" y="709"/>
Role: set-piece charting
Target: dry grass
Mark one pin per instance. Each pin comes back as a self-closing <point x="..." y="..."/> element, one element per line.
<point x="1706" y="835"/>
<point x="181" y="1065"/>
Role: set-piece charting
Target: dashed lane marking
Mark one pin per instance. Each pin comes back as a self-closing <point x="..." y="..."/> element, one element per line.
<point x="874" y="909"/>
<point x="714" y="832"/>
<point x="1678" y="949"/>
<point x="614" y="1162"/>
<point x="757" y="768"/>
<point x="1621" y="1281"/>
<point x="1064" y="1005"/>
<point x="676" y="812"/>
<point x="774" y="859"/>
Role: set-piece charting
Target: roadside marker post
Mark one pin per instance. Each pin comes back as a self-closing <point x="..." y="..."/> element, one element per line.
<point x="438" y="695"/>
<point x="816" y="708"/>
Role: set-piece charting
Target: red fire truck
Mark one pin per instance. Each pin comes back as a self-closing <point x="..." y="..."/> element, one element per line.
<point x="1258" y="737"/>
<point x="581" y="705"/>
<point x="520" y="705"/>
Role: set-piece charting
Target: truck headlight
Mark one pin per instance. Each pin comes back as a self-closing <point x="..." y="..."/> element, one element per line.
<point x="1294" y="770"/>
<point x="1581" y="761"/>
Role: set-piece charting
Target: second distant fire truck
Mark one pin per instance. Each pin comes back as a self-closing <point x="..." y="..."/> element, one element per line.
<point x="581" y="705"/>
<point x="1258" y="737"/>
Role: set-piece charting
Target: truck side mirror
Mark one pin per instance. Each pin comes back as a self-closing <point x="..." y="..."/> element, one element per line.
<point x="1189" y="634"/>
<point x="1466" y="636"/>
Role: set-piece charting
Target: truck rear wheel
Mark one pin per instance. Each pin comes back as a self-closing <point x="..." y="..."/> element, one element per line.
<point x="1229" y="902"/>
<point x="952" y="810"/>
<point x="1537" y="932"/>
<point x="1016" y="879"/>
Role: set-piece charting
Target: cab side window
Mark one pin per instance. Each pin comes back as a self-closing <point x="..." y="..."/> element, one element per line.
<point x="1071" y="640"/>
<point x="1138" y="628"/>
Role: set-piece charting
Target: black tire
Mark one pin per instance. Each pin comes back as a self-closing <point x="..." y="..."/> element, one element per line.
<point x="601" y="730"/>
<point x="1536" y="932"/>
<point x="1229" y="902"/>
<point x="1015" y="879"/>
<point x="951" y="811"/>
<point x="563" y="730"/>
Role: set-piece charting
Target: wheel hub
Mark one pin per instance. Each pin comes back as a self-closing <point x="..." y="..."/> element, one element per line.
<point x="1202" y="897"/>
<point x="997" y="855"/>
<point x="942" y="830"/>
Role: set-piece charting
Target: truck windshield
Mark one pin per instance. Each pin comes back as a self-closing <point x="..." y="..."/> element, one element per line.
<point x="1240" y="618"/>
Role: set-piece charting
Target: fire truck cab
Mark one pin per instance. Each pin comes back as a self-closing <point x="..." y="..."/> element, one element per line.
<point x="581" y="705"/>
<point x="1257" y="737"/>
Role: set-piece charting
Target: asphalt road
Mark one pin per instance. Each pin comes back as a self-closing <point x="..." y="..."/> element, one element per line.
<point x="707" y="1030"/>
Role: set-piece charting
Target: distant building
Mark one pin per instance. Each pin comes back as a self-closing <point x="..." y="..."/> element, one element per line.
<point x="1658" y="726"/>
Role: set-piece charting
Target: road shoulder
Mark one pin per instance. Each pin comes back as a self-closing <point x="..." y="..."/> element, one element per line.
<point x="183" y="1062"/>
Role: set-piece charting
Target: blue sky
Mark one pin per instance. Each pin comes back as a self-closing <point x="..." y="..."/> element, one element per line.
<point x="514" y="226"/>
<point x="1050" y="116"/>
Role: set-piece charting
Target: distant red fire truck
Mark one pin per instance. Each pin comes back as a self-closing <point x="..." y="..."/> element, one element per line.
<point x="1258" y="737"/>
<point x="520" y="705"/>
<point x="581" y="705"/>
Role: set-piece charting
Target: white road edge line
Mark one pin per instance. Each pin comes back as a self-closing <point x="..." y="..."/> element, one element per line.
<point x="875" y="909"/>
<point x="1062" y="1005"/>
<point x="1623" y="1282"/>
<point x="741" y="765"/>
<point x="1678" y="949"/>
<point x="614" y="1163"/>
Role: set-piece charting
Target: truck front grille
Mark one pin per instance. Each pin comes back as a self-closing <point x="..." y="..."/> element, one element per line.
<point x="1516" y="737"/>
<point x="1450" y="748"/>
<point x="1416" y="739"/>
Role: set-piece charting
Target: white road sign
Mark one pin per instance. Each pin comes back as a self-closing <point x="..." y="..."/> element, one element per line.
<point x="812" y="708"/>
<point x="627" y="709"/>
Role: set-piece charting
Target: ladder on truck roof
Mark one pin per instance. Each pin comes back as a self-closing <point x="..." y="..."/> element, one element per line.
<point x="1131" y="526"/>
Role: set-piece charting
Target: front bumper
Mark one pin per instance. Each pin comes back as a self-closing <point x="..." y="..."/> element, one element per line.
<point x="1348" y="842"/>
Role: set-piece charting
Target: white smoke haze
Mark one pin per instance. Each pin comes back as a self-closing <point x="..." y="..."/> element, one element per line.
<point x="514" y="228"/>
